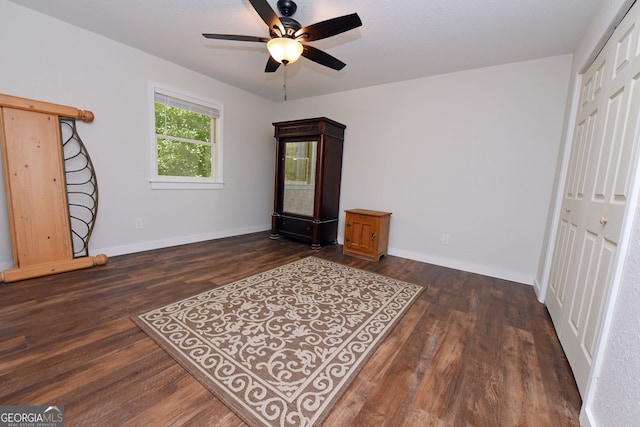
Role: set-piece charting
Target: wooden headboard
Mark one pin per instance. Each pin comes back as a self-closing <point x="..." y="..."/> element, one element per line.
<point x="36" y="188"/>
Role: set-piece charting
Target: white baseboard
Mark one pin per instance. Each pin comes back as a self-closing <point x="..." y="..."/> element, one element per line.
<point x="181" y="240"/>
<point x="586" y="418"/>
<point x="164" y="243"/>
<point x="538" y="289"/>
<point x="512" y="276"/>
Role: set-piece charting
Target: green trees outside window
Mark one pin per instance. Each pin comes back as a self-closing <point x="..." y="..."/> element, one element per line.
<point x="184" y="141"/>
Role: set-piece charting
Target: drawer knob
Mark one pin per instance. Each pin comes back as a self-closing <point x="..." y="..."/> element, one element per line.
<point x="373" y="236"/>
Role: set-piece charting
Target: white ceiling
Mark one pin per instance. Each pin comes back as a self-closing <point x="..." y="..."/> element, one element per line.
<point x="399" y="40"/>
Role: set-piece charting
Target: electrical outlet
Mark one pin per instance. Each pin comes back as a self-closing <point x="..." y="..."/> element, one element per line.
<point x="445" y="239"/>
<point x="139" y="224"/>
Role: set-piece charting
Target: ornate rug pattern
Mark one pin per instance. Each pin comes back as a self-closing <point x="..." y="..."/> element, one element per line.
<point x="280" y="348"/>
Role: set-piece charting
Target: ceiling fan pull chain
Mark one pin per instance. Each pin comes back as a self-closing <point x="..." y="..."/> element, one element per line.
<point x="284" y="86"/>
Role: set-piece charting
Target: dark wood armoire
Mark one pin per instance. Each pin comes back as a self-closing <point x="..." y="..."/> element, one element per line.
<point x="307" y="183"/>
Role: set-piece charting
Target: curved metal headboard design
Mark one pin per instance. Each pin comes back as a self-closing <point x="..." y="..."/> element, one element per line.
<point x="82" y="187"/>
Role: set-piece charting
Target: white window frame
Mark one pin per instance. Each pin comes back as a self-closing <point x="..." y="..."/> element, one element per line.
<point x="215" y="182"/>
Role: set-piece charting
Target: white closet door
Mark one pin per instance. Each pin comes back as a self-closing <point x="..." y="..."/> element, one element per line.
<point x="595" y="198"/>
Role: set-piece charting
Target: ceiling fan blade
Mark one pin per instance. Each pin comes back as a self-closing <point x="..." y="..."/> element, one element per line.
<point x="322" y="58"/>
<point x="329" y="28"/>
<point x="268" y="16"/>
<point x="272" y="65"/>
<point x="236" y="38"/>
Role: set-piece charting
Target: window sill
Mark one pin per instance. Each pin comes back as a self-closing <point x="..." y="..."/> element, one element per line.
<point x="170" y="185"/>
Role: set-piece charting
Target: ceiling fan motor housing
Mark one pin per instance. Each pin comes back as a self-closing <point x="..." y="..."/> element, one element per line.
<point x="287" y="7"/>
<point x="290" y="25"/>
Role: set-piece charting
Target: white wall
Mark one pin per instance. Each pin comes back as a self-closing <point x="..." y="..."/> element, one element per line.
<point x="48" y="60"/>
<point x="469" y="154"/>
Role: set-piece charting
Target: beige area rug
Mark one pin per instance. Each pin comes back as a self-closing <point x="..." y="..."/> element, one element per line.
<point x="281" y="347"/>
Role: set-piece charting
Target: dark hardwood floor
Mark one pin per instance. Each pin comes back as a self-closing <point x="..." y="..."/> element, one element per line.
<point x="472" y="350"/>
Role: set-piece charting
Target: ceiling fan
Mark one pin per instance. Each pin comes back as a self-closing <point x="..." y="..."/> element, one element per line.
<point x="287" y="34"/>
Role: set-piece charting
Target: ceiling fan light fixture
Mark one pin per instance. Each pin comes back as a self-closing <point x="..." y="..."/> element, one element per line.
<point x="284" y="49"/>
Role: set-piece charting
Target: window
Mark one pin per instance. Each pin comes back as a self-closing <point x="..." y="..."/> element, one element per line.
<point x="187" y="148"/>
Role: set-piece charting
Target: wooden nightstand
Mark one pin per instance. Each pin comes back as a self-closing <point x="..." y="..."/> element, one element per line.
<point x="366" y="233"/>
